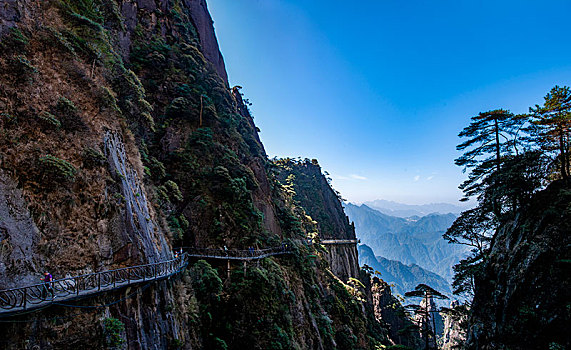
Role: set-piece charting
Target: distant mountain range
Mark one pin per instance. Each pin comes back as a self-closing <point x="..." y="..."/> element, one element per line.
<point x="408" y="240"/>
<point x="407" y="210"/>
<point x="404" y="277"/>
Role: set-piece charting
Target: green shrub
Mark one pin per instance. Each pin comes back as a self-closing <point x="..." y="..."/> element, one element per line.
<point x="56" y="38"/>
<point x="23" y="66"/>
<point x="158" y="169"/>
<point x="65" y="106"/>
<point x="206" y="282"/>
<point x="49" y="120"/>
<point x="17" y="36"/>
<point x="180" y="107"/>
<point x="69" y="115"/>
<point x="92" y="157"/>
<point x="108" y="99"/>
<point x="14" y="41"/>
<point x="59" y="168"/>
<point x="162" y="195"/>
<point x="176" y="227"/>
<point x="112" y="331"/>
<point x="174" y="190"/>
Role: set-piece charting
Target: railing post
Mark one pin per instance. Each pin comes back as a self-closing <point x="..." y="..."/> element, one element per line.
<point x="155" y="267"/>
<point x="114" y="279"/>
<point x="99" y="281"/>
<point x="78" y="279"/>
<point x="128" y="276"/>
<point x="25" y="297"/>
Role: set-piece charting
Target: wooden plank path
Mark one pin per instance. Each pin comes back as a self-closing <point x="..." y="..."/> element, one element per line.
<point x="16" y="300"/>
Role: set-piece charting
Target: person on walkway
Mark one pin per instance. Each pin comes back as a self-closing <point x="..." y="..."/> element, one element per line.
<point x="47" y="279"/>
<point x="251" y="250"/>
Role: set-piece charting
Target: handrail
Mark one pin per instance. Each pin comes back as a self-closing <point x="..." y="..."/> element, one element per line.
<point x="235" y="254"/>
<point x="339" y="241"/>
<point x="45" y="293"/>
<point x="37" y="295"/>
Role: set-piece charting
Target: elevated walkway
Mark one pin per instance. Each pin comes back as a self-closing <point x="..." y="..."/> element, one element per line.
<point x="339" y="241"/>
<point x="15" y="300"/>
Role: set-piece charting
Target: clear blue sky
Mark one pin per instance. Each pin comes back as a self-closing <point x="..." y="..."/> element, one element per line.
<point x="377" y="90"/>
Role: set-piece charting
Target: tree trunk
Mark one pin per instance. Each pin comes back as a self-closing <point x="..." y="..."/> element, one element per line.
<point x="498" y="156"/>
<point x="426" y="346"/>
<point x="562" y="154"/>
<point x="496" y="208"/>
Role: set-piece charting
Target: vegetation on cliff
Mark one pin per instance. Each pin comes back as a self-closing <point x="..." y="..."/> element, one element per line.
<point x="519" y="166"/>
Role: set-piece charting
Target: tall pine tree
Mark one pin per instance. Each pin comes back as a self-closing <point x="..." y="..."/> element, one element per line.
<point x="491" y="137"/>
<point x="554" y="126"/>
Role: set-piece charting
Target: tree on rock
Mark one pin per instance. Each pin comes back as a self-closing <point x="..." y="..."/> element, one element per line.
<point x="424" y="311"/>
<point x="554" y="126"/>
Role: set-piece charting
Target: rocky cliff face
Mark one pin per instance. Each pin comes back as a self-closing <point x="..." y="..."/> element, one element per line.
<point x="208" y="43"/>
<point x="313" y="192"/>
<point x="119" y="139"/>
<point x="454" y="333"/>
<point x="435" y="323"/>
<point x="389" y="310"/>
<point x="522" y="299"/>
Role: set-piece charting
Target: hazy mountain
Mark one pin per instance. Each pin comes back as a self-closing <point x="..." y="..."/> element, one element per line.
<point x="404" y="277"/>
<point x="410" y="241"/>
<point x="408" y="210"/>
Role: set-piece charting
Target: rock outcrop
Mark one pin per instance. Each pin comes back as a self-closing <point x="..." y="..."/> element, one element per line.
<point x="313" y="192"/>
<point x="435" y="323"/>
<point x="521" y="300"/>
<point x="454" y="333"/>
<point x="19" y="237"/>
<point x="208" y="43"/>
<point x="388" y="309"/>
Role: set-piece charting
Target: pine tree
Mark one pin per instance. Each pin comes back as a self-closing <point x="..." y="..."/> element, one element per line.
<point x="426" y="292"/>
<point x="554" y="126"/>
<point x="491" y="136"/>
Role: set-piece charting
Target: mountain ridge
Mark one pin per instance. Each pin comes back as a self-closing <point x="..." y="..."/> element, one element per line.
<point x="410" y="241"/>
<point x="408" y="210"/>
<point x="405" y="277"/>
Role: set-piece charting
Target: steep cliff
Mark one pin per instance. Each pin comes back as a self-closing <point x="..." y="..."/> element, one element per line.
<point x="120" y="139"/>
<point x="388" y="309"/>
<point x="522" y="299"/>
<point x="312" y="191"/>
<point x="454" y="333"/>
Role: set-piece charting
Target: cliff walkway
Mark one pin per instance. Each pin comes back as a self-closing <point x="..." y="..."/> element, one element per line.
<point x="43" y="294"/>
<point x="339" y="241"/>
<point x="250" y="254"/>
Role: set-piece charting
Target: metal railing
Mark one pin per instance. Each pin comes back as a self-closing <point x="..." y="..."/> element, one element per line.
<point x="339" y="241"/>
<point x="234" y="254"/>
<point x="44" y="293"/>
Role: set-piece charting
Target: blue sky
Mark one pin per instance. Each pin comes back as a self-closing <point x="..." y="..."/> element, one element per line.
<point x="377" y="90"/>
